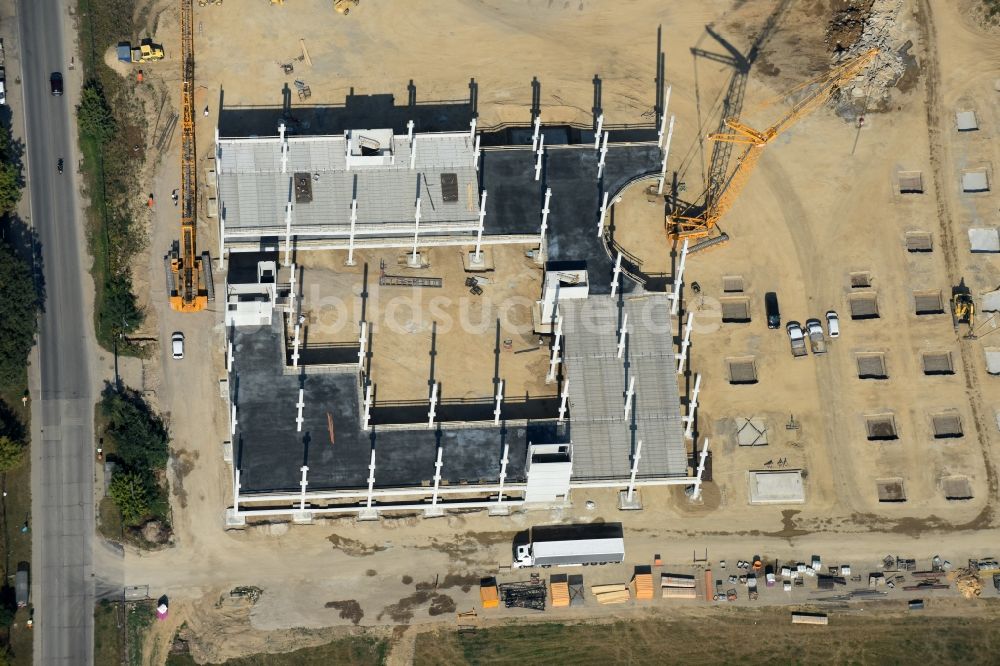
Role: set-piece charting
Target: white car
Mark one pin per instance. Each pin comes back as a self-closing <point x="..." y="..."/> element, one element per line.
<point x="833" y="324"/>
<point x="177" y="344"/>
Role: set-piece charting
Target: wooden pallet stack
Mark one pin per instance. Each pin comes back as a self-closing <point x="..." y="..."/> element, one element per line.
<point x="642" y="583"/>
<point x="559" y="590"/>
<point x="610" y="594"/>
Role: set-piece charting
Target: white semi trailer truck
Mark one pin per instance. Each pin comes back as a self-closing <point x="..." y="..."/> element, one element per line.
<point x="570" y="545"/>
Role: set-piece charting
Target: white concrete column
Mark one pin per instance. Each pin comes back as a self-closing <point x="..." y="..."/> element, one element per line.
<point x="621" y="335"/>
<point x="617" y="274"/>
<point x="409" y="133"/>
<point x="685" y="343"/>
<point x="437" y="477"/>
<point x="503" y="472"/>
<point x="675" y="295"/>
<point x="692" y="408"/>
<point x="414" y="257"/>
<point x="472" y="129"/>
<point x="222" y="241"/>
<point x="666" y="154"/>
<point x="545" y="212"/>
<point x="362" y="344"/>
<point x="479" y="234"/>
<point x="432" y="412"/>
<point x="565" y="398"/>
<point x="299" y="405"/>
<point x="555" y="359"/>
<point x="295" y="347"/>
<point x="604" y="153"/>
<point x="475" y="154"/>
<point x="284" y="148"/>
<point x="236" y="492"/>
<point x="499" y="399"/>
<point x="696" y="495"/>
<point x="628" y="396"/>
<point x="291" y="288"/>
<point x="635" y="470"/>
<point x="538" y="157"/>
<point x="288" y="233"/>
<point x="371" y="479"/>
<point x="303" y="483"/>
<point x="600" y="219"/>
<point x="413" y="152"/>
<point x="366" y="423"/>
<point x="537" y="121"/>
<point x="218" y="148"/>
<point x="232" y="420"/>
<point x="597" y="134"/>
<point x="663" y="119"/>
<point x="229" y="358"/>
<point x="354" y="221"/>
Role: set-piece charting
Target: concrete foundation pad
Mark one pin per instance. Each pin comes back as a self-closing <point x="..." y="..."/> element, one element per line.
<point x="499" y="510"/>
<point x="302" y="517"/>
<point x="625" y="504"/>
<point x="235" y="520"/>
<point x="368" y="514"/>
<point x="485" y="262"/>
<point x="784" y="487"/>
<point x="413" y="260"/>
<point x="433" y="512"/>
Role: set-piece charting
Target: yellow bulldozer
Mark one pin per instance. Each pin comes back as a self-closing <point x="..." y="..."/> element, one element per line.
<point x="963" y="310"/>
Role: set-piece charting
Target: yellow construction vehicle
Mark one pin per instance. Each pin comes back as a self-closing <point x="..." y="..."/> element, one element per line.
<point x="963" y="310"/>
<point x="189" y="279"/>
<point x="149" y="51"/>
<point x="681" y="224"/>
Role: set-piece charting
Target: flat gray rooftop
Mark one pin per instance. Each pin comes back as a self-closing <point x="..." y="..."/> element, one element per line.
<point x="603" y="438"/>
<point x="254" y="188"/>
<point x="514" y="204"/>
<point x="269" y="451"/>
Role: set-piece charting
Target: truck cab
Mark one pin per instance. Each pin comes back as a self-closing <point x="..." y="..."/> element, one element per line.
<point x="522" y="555"/>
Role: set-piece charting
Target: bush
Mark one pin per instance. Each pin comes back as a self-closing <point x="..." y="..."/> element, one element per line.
<point x="131" y="493"/>
<point x="120" y="312"/>
<point x="19" y="307"/>
<point x="94" y="114"/>
<point x="11" y="453"/>
<point x="139" y="436"/>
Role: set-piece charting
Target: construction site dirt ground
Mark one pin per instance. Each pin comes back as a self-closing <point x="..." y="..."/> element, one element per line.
<point x="822" y="204"/>
<point x="446" y="330"/>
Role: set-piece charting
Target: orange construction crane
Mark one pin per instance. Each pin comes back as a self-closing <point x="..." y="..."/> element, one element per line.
<point x="701" y="225"/>
<point x="188" y="281"/>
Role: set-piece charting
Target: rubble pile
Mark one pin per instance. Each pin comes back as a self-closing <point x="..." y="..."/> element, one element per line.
<point x="879" y="29"/>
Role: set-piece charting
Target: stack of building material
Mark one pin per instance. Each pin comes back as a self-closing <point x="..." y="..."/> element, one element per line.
<point x="642" y="583"/>
<point x="488" y="592"/>
<point x="610" y="594"/>
<point x="576" y="590"/>
<point x="559" y="590"/>
<point x="810" y="618"/>
<point x="678" y="586"/>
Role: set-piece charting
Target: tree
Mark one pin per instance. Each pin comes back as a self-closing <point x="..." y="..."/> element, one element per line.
<point x="141" y="442"/>
<point x="94" y="114"/>
<point x="130" y="492"/>
<point x="18" y="311"/>
<point x="11" y="453"/>
<point x="120" y="313"/>
<point x="10" y="187"/>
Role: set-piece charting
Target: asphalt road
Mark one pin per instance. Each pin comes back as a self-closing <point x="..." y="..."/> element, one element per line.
<point x="63" y="447"/>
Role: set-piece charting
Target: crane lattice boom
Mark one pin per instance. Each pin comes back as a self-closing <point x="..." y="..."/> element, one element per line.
<point x="700" y="226"/>
<point x="187" y="293"/>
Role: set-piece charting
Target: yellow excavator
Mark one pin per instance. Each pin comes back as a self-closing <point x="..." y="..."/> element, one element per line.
<point x="702" y="225"/>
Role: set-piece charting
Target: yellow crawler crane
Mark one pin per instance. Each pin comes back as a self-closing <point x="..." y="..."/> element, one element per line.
<point x="702" y="225"/>
<point x="187" y="281"/>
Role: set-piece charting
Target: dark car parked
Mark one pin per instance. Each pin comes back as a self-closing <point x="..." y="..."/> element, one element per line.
<point x="56" y="83"/>
<point x="771" y="309"/>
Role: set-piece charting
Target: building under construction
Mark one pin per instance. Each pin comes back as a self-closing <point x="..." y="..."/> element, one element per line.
<point x="309" y="432"/>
